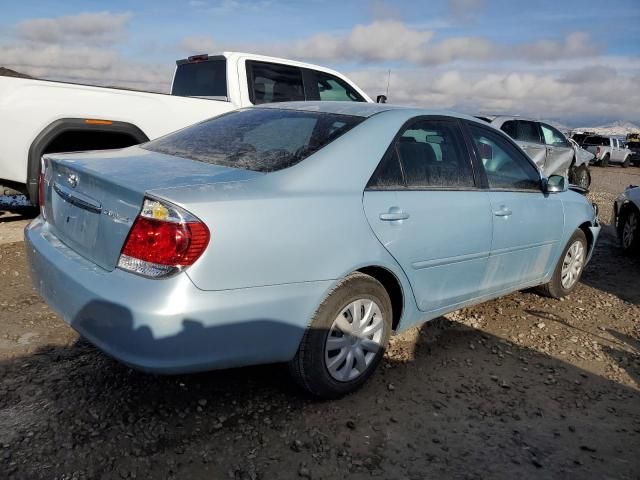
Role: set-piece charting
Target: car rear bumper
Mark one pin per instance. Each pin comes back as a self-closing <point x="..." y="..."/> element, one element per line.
<point x="169" y="326"/>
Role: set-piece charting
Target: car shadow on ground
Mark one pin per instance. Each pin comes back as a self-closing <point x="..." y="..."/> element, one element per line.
<point x="448" y="401"/>
<point x="621" y="276"/>
<point x="618" y="350"/>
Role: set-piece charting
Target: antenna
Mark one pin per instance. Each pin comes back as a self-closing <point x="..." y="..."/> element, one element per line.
<point x="388" y="82"/>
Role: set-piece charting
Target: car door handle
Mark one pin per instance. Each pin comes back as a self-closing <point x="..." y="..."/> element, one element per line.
<point x="393" y="214"/>
<point x="503" y="212"/>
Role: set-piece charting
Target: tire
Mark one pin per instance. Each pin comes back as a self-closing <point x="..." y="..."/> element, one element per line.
<point x="627" y="162"/>
<point x="556" y="288"/>
<point x="605" y="161"/>
<point x="629" y="230"/>
<point x="312" y="366"/>
<point x="580" y="176"/>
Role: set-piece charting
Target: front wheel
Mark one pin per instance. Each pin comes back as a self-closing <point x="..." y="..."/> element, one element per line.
<point x="346" y="339"/>
<point x="569" y="268"/>
<point x="580" y="176"/>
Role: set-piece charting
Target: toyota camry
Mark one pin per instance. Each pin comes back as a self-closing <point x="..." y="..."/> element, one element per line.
<point x="304" y="233"/>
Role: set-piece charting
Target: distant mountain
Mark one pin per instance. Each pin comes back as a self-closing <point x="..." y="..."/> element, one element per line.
<point x="615" y="129"/>
<point x="7" y="72"/>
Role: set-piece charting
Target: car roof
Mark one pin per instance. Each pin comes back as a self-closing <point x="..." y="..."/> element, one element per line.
<point x="362" y="109"/>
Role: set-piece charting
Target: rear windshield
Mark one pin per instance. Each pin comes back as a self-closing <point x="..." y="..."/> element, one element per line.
<point x="259" y="139"/>
<point x="602" y="141"/>
<point x="201" y="79"/>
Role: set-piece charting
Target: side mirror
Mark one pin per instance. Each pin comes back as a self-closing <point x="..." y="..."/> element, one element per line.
<point x="554" y="184"/>
<point x="381" y="99"/>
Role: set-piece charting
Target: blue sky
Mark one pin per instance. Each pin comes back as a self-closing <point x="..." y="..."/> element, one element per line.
<point x="541" y="58"/>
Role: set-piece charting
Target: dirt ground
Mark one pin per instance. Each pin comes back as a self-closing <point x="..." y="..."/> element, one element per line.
<point x="520" y="387"/>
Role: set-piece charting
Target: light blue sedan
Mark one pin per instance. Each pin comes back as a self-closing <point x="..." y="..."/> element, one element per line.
<point x="304" y="233"/>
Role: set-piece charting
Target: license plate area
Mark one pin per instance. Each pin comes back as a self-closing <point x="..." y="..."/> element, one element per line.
<point x="75" y="222"/>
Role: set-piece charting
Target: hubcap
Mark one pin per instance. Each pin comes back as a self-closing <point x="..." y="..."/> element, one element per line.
<point x="355" y="337"/>
<point x="629" y="230"/>
<point x="572" y="264"/>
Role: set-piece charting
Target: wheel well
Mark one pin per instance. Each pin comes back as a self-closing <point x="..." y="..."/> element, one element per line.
<point x="76" y="134"/>
<point x="587" y="233"/>
<point x="391" y="284"/>
<point x="78" y="140"/>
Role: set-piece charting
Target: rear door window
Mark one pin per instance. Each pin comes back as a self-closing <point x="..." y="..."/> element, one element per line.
<point x="528" y="131"/>
<point x="429" y="153"/>
<point x="273" y="82"/>
<point x="259" y="139"/>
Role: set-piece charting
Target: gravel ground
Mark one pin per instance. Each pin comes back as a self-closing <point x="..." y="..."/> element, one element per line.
<point x="521" y="387"/>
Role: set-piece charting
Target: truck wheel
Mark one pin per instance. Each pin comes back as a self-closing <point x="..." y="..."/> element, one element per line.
<point x="580" y="176"/>
<point x="605" y="161"/>
<point x="569" y="268"/>
<point x="346" y="339"/>
<point x="627" y="162"/>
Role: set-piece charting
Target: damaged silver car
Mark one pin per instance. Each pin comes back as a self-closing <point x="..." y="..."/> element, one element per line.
<point x="546" y="146"/>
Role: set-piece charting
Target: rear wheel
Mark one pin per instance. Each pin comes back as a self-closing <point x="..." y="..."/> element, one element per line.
<point x="580" y="176"/>
<point x="605" y="161"/>
<point x="346" y="339"/>
<point x="569" y="268"/>
<point x="629" y="230"/>
<point x="627" y="162"/>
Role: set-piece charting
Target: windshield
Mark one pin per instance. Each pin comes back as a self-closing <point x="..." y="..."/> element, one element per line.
<point x="259" y="139"/>
<point x="201" y="79"/>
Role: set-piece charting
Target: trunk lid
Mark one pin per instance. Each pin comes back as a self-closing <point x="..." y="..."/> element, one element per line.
<point x="93" y="198"/>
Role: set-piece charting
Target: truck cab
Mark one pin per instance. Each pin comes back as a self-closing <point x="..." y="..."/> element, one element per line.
<point x="247" y="79"/>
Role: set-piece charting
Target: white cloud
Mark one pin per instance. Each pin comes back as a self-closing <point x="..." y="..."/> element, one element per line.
<point x="92" y="28"/>
<point x="394" y="40"/>
<point x="91" y="65"/>
<point x="564" y="94"/>
<point x="575" y="45"/>
<point x="559" y="79"/>
<point x="380" y="40"/>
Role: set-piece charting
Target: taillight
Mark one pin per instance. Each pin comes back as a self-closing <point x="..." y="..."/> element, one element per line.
<point x="597" y="150"/>
<point x="163" y="240"/>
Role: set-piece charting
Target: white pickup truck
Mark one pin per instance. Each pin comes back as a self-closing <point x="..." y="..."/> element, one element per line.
<point x="38" y="117"/>
<point x="608" y="150"/>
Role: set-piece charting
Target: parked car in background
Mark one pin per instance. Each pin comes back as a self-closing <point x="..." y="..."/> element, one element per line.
<point x="607" y="150"/>
<point x="304" y="233"/>
<point x="39" y="117"/>
<point x="633" y="144"/>
<point x="626" y="210"/>
<point x="579" y="135"/>
<point x="547" y="147"/>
